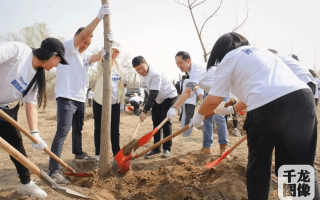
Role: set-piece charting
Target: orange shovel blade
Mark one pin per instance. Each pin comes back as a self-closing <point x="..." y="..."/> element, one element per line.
<point x="147" y="137"/>
<point x="125" y="167"/>
<point x="218" y="161"/>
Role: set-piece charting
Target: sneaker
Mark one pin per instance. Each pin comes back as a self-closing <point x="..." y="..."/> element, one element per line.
<point x="153" y="152"/>
<point x="31" y="189"/>
<point x="205" y="150"/>
<point x="84" y="157"/>
<point x="98" y="157"/>
<point x="236" y="132"/>
<point x="166" y="154"/>
<point x="59" y="179"/>
<point x="223" y="148"/>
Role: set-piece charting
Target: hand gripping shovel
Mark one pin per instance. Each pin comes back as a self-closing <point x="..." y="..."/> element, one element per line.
<point x="37" y="171"/>
<point x="52" y="155"/>
<point x="218" y="161"/>
<point x="126" y="162"/>
<point x="121" y="156"/>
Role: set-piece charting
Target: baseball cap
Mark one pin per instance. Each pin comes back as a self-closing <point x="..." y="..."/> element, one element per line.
<point x="55" y="45"/>
<point x="116" y="45"/>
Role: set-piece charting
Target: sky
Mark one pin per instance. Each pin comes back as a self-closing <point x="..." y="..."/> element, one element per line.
<point x="158" y="29"/>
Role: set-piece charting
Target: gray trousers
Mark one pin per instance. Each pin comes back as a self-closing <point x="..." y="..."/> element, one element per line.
<point x="69" y="113"/>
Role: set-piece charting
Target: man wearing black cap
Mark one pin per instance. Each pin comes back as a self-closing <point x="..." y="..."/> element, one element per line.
<point x="71" y="88"/>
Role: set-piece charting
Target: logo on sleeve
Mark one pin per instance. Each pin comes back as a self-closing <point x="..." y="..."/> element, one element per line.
<point x="248" y="51"/>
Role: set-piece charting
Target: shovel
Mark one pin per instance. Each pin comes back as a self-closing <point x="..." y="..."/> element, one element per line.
<point x="218" y="161"/>
<point x="37" y="171"/>
<point x="52" y="155"/>
<point x="120" y="158"/>
<point x="126" y="162"/>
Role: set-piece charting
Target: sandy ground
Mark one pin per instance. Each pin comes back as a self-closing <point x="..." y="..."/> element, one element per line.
<point x="182" y="176"/>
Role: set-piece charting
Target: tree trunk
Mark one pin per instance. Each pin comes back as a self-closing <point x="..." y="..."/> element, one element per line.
<point x="104" y="165"/>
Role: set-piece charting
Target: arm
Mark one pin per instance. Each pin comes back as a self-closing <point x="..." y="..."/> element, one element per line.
<point x="200" y="97"/>
<point x="96" y="57"/>
<point x="151" y="99"/>
<point x="32" y="116"/>
<point x="85" y="33"/>
<point x="239" y="106"/>
<point x="209" y="104"/>
<point x="183" y="97"/>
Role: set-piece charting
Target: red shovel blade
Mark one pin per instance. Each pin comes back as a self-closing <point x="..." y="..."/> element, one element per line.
<point x="146" y="138"/>
<point x="123" y="160"/>
<point x="125" y="167"/>
<point x="130" y="108"/>
<point x="218" y="161"/>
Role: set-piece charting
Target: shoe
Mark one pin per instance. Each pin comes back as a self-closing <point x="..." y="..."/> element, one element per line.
<point x="84" y="157"/>
<point x="59" y="179"/>
<point x="98" y="157"/>
<point x="31" y="189"/>
<point x="223" y="148"/>
<point x="166" y="154"/>
<point x="205" y="150"/>
<point x="236" y="132"/>
<point x="153" y="152"/>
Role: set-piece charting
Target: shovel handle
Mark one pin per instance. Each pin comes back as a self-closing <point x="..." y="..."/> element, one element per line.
<point x="34" y="139"/>
<point x="172" y="135"/>
<point x="135" y="131"/>
<point x="19" y="157"/>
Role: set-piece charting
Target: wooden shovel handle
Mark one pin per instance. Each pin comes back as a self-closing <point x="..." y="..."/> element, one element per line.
<point x="33" y="139"/>
<point x="19" y="157"/>
<point x="135" y="132"/>
<point x="170" y="136"/>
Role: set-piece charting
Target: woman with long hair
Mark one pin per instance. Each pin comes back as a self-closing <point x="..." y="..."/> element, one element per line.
<point x="281" y="108"/>
<point x="22" y="77"/>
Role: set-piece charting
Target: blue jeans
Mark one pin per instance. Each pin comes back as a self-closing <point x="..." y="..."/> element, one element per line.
<point x="221" y="129"/>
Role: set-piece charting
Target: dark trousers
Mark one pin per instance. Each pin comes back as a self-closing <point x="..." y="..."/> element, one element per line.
<point x="289" y="121"/>
<point x="69" y="113"/>
<point x="115" y="123"/>
<point x="159" y="113"/>
<point x="136" y="107"/>
<point x="10" y="134"/>
<point x="189" y="111"/>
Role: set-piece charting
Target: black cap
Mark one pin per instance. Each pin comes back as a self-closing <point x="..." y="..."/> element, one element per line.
<point x="55" y="45"/>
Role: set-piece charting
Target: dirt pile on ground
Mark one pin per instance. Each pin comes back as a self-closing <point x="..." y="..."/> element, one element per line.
<point x="183" y="177"/>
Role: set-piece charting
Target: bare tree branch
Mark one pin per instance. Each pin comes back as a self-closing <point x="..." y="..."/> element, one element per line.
<point x="211" y="16"/>
<point x="197" y="4"/>
<point x="181" y="3"/>
<point x="243" y="22"/>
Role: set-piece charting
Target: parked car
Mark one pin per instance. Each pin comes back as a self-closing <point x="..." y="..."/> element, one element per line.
<point x="130" y="91"/>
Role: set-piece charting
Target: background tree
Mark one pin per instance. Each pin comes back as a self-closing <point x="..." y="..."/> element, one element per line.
<point x="199" y="29"/>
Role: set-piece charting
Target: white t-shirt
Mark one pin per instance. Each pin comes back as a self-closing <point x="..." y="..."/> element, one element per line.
<point x="115" y="79"/>
<point x="73" y="80"/>
<point x="157" y="80"/>
<point x="255" y="76"/>
<point x="136" y="99"/>
<point x="200" y="76"/>
<point x="125" y="91"/>
<point x="16" y="72"/>
<point x="193" y="97"/>
<point x="299" y="70"/>
<point x="90" y="94"/>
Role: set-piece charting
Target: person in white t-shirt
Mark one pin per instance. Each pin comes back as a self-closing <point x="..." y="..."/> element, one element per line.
<point x="318" y="84"/>
<point x="161" y="96"/>
<point x="299" y="70"/>
<point x="70" y="92"/>
<point x="136" y="101"/>
<point x="280" y="107"/>
<point x="188" y="108"/>
<point x="22" y="78"/>
<point x="90" y="95"/>
<point x="198" y="75"/>
<point x="117" y="98"/>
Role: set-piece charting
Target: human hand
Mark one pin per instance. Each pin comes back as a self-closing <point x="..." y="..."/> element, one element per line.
<point x="104" y="10"/>
<point x="41" y="145"/>
<point x="197" y="120"/>
<point x="221" y="110"/>
<point x="171" y="113"/>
